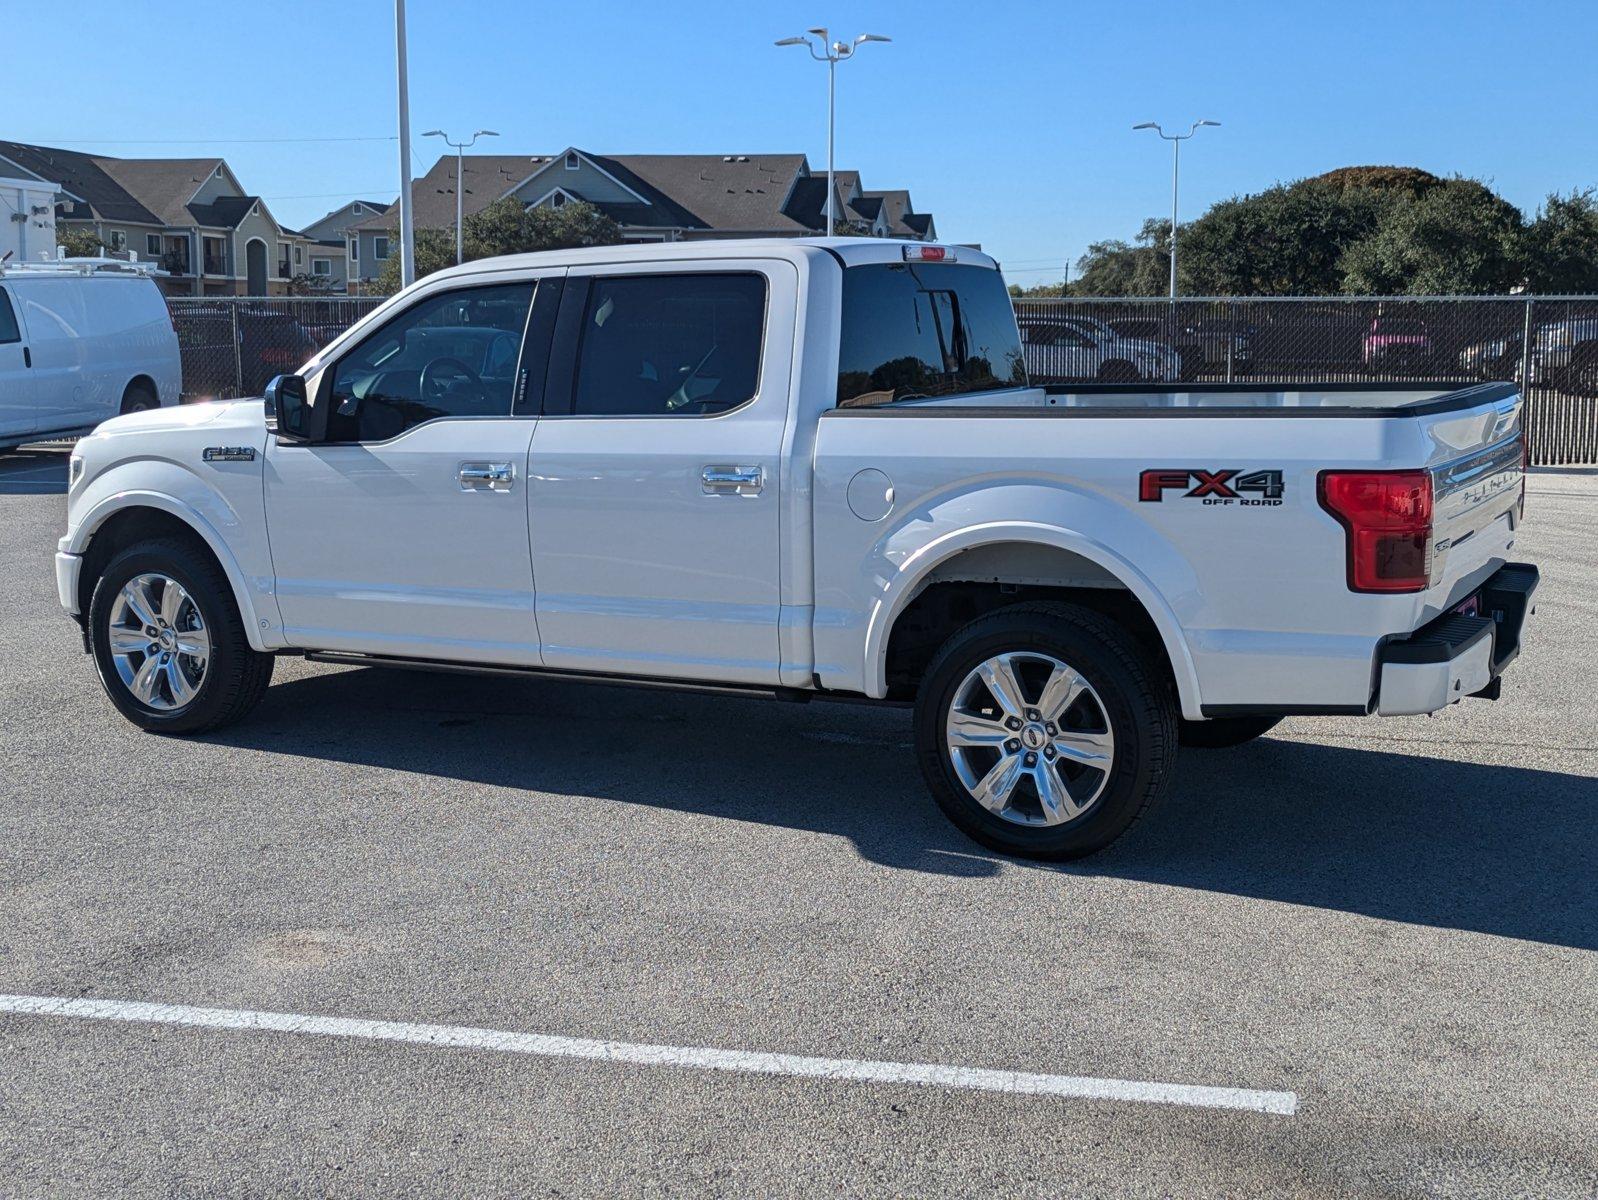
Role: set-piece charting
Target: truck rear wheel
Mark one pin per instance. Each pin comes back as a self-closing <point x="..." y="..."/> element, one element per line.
<point x="1044" y="731"/>
<point x="168" y="640"/>
<point x="1224" y="731"/>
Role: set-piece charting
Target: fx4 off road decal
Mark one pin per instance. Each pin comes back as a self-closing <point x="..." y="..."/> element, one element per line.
<point x="1249" y="489"/>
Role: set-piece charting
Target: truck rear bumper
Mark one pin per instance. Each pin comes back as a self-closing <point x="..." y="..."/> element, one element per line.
<point x="1460" y="653"/>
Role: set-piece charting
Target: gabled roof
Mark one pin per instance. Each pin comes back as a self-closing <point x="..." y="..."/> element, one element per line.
<point x="730" y="193"/>
<point x="895" y="205"/>
<point x="488" y="177"/>
<point x="93" y="194"/>
<point x="163" y="185"/>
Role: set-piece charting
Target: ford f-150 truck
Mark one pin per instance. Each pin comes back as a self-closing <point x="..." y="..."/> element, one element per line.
<point x="810" y="469"/>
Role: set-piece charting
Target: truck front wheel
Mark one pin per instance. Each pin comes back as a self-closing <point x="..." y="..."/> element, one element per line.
<point x="1044" y="730"/>
<point x="168" y="641"/>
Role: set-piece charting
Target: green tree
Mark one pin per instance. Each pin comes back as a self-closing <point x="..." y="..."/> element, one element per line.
<point x="78" y="243"/>
<point x="504" y="227"/>
<point x="1561" y="245"/>
<point x="1456" y="239"/>
<point x="1288" y="240"/>
<point x="1117" y="268"/>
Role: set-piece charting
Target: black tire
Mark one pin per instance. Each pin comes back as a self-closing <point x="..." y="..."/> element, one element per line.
<point x="235" y="676"/>
<point x="1118" y="371"/>
<point x="139" y="397"/>
<point x="1137" y="705"/>
<point x="1224" y="731"/>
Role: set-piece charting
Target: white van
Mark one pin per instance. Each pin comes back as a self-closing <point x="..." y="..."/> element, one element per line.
<point x="80" y="341"/>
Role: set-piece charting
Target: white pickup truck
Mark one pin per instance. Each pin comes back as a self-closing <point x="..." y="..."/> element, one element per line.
<point x="810" y="469"/>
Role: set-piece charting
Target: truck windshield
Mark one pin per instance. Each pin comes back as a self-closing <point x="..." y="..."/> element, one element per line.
<point x="918" y="330"/>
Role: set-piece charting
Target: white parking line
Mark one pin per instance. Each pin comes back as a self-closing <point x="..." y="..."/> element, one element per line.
<point x="643" y="1054"/>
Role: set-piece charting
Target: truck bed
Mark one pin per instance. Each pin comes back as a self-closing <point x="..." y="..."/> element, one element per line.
<point x="1250" y="581"/>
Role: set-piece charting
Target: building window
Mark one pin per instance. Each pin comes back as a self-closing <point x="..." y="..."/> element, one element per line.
<point x="321" y="266"/>
<point x="380" y="248"/>
<point x="355" y="249"/>
<point x="299" y="255"/>
<point x="558" y="200"/>
<point x="357" y="209"/>
<point x="571" y="162"/>
<point x="152" y="244"/>
<point x="118" y="240"/>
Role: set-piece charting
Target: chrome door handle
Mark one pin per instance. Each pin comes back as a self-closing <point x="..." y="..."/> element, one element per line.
<point x="747" y="480"/>
<point x="486" y="477"/>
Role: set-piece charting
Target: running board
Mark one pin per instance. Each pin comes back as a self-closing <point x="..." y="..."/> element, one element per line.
<point x="342" y="659"/>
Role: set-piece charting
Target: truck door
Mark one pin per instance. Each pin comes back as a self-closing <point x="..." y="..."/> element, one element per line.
<point x="404" y="532"/>
<point x="19" y="412"/>
<point x="655" y="482"/>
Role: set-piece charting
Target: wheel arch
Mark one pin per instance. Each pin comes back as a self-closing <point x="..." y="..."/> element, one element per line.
<point x="125" y="518"/>
<point x="1023" y="554"/>
<point x="140" y="382"/>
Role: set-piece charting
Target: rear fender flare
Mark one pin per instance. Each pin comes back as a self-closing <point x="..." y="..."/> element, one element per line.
<point x="905" y="583"/>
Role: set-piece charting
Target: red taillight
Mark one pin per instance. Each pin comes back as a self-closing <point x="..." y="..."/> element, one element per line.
<point x="1388" y="519"/>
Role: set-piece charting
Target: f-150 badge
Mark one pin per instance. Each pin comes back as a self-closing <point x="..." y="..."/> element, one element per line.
<point x="1250" y="489"/>
<point x="228" y="454"/>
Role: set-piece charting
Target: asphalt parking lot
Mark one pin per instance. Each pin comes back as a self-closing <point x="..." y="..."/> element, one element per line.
<point x="1394" y="923"/>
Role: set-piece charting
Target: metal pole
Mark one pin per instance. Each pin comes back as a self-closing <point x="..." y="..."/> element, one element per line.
<point x="460" y="188"/>
<point x="238" y="349"/>
<point x="1176" y="166"/>
<point x="407" y="231"/>
<point x="832" y="192"/>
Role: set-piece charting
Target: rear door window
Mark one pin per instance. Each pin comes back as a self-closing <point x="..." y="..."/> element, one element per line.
<point x="669" y="345"/>
<point x="916" y="331"/>
<point x="8" y="320"/>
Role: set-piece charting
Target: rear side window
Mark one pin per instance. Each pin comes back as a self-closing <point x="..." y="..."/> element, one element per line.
<point x="914" y="331"/>
<point x="669" y="345"/>
<point x="8" y="320"/>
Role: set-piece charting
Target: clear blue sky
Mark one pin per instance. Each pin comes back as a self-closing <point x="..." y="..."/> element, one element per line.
<point x="1010" y="121"/>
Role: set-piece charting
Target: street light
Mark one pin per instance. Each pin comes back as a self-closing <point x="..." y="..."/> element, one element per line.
<point x="460" y="180"/>
<point x="1176" y="140"/>
<point x="831" y="53"/>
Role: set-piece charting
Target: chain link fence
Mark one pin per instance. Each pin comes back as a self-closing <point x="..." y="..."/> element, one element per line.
<point x="1549" y="345"/>
<point x="234" y="346"/>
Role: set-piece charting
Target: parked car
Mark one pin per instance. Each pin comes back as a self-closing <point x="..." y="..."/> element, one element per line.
<point x="1497" y="358"/>
<point x="271" y="343"/>
<point x="81" y="340"/>
<point x="1064" y="348"/>
<point x="1564" y="356"/>
<point x="1397" y="344"/>
<point x="1189" y="354"/>
<point x="809" y="468"/>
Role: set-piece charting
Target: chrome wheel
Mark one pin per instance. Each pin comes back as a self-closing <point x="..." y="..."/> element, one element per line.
<point x="1030" y="739"/>
<point x="158" y="642"/>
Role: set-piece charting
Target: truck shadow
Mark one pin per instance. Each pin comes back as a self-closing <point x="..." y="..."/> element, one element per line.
<point x="1491" y="849"/>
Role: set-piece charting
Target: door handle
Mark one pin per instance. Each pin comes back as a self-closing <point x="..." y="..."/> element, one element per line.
<point x="744" y="480"/>
<point x="486" y="477"/>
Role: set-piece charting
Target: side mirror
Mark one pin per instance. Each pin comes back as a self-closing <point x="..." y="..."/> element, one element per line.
<point x="289" y="412"/>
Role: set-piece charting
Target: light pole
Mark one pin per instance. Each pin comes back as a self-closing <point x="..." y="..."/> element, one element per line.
<point x="460" y="179"/>
<point x="1176" y="140"/>
<point x="831" y="53"/>
<point x="407" y="228"/>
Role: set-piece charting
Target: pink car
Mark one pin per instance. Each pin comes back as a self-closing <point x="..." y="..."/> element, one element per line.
<point x="1397" y="342"/>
